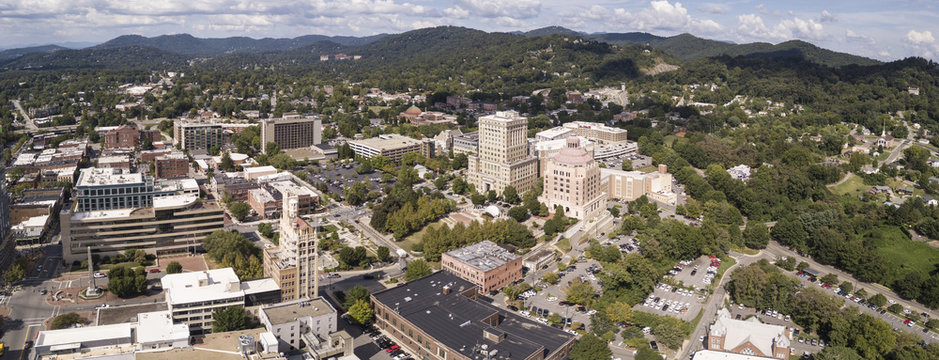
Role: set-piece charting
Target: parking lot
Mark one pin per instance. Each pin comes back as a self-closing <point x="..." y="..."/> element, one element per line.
<point x="685" y="299"/>
<point x="337" y="177"/>
<point x="549" y="299"/>
<point x="639" y="161"/>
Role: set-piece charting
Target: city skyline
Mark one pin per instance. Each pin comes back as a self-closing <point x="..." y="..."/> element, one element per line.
<point x="881" y="30"/>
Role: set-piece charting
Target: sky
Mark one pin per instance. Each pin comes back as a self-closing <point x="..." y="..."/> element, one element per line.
<point x="883" y="29"/>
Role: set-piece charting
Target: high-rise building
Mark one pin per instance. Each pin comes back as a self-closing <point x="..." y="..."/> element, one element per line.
<point x="292" y="132"/>
<point x="197" y="135"/>
<point x="502" y="157"/>
<point x="292" y="264"/>
<point x="572" y="181"/>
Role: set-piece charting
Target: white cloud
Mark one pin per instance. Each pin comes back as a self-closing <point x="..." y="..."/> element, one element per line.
<point x="752" y="26"/>
<point x="516" y="9"/>
<point x="763" y="10"/>
<point x="456" y="12"/>
<point x="853" y="36"/>
<point x="917" y="37"/>
<point x="658" y="16"/>
<point x="800" y="29"/>
<point x="714" y="8"/>
<point x="827" y="17"/>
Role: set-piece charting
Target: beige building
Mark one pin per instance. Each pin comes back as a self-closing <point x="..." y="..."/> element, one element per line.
<point x="485" y="264"/>
<point x="598" y="132"/>
<point x="547" y="149"/>
<point x="175" y="223"/>
<point x="292" y="264"/>
<point x="572" y="181"/>
<point x="630" y="185"/>
<point x="197" y="135"/>
<point x="391" y="146"/>
<point x="502" y="157"/>
<point x="292" y="132"/>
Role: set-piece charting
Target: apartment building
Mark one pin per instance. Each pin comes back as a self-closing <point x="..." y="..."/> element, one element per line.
<point x="502" y="157"/>
<point x="197" y="135"/>
<point x="485" y="264"/>
<point x="105" y="189"/>
<point x="466" y="143"/>
<point x="305" y="320"/>
<point x="192" y="296"/>
<point x="292" y="132"/>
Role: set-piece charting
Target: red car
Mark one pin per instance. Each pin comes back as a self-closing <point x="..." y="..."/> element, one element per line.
<point x="393" y="348"/>
<point x="153" y="271"/>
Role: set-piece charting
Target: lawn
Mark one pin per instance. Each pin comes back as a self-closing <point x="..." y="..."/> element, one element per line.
<point x="411" y="240"/>
<point x="670" y="139"/>
<point x="564" y="244"/>
<point x="901" y="253"/>
<point x="853" y="186"/>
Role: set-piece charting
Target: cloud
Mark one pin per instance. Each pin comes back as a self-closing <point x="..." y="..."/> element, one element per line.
<point x="752" y="26"/>
<point x="827" y="17"/>
<point x="658" y="16"/>
<point x="853" y="36"/>
<point x="714" y="8"/>
<point x="763" y="10"/>
<point x="516" y="9"/>
<point x="800" y="29"/>
<point x="456" y="12"/>
<point x="917" y="37"/>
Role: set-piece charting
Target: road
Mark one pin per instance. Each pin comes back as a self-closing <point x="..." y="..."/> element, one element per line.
<point x="709" y="311"/>
<point x="29" y="122"/>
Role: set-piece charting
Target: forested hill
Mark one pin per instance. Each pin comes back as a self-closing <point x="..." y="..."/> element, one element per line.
<point x="125" y="57"/>
<point x="15" y="53"/>
<point x="689" y="47"/>
<point x="188" y="45"/>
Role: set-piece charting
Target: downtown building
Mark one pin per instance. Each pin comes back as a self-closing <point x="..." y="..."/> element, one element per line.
<point x="502" y="157"/>
<point x="197" y="135"/>
<point x="630" y="185"/>
<point x="114" y="212"/>
<point x="440" y="317"/>
<point x="191" y="297"/>
<point x="485" y="264"/>
<point x="292" y="132"/>
<point x="293" y="263"/>
<point x="391" y="146"/>
<point x="572" y="181"/>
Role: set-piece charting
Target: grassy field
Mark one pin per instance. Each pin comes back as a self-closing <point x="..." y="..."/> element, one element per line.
<point x="564" y="244"/>
<point x="902" y="254"/>
<point x="411" y="240"/>
<point x="894" y="184"/>
<point x="670" y="139"/>
<point x="853" y="186"/>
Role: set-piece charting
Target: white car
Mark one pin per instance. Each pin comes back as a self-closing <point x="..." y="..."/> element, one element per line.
<point x="99" y="275"/>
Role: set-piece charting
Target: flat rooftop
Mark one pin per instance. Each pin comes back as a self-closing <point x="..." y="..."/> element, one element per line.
<point x="207" y="285"/>
<point x="106" y="177"/>
<point x="284" y="313"/>
<point x="158" y="326"/>
<point x="84" y="334"/>
<point x="554" y="132"/>
<point x="592" y="125"/>
<point x="484" y="255"/>
<point x="387" y="142"/>
<point x="457" y="321"/>
<point x="504" y="116"/>
<point x="720" y="355"/>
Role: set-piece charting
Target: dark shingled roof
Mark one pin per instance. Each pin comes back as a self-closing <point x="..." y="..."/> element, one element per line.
<point x="459" y="322"/>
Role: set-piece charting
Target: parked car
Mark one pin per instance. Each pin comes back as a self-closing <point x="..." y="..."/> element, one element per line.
<point x="154" y="270"/>
<point x="99" y="275"/>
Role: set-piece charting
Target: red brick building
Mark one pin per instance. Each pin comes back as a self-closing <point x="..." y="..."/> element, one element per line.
<point x="485" y="264"/>
<point x="171" y="166"/>
<point x="124" y="136"/>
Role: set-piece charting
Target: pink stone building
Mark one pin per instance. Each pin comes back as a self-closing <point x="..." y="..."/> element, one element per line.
<point x="572" y="181"/>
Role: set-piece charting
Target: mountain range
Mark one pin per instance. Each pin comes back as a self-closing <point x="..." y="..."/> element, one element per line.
<point x="180" y="47"/>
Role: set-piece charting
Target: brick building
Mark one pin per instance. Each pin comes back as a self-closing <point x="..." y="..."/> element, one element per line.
<point x="439" y="317"/>
<point x="171" y="166"/>
<point x="748" y="337"/>
<point x="485" y="264"/>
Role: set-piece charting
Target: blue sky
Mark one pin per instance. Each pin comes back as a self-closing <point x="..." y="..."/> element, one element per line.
<point x="885" y="29"/>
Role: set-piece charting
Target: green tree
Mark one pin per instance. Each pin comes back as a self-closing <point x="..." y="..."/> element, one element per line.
<point x="590" y="347"/>
<point x="357" y="194"/>
<point x="227" y="163"/>
<point x="619" y="312"/>
<point x="519" y="213"/>
<point x="756" y="235"/>
<point x="627" y="165"/>
<point x="848" y="287"/>
<point x="232" y="318"/>
<point x="646" y="353"/>
<point x="614" y="211"/>
<point x="895" y="308"/>
<point x="550" y="277"/>
<point x="66" y="321"/>
<point x="239" y="210"/>
<point x="356" y="293"/>
<point x="829" y="279"/>
<point x="837" y="353"/>
<point x="492" y="196"/>
<point x="478" y="199"/>
<point x="174" y="267"/>
<point x="361" y="312"/>
<point x="126" y="282"/>
<point x="580" y="292"/>
<point x="383" y="253"/>
<point x="417" y="269"/>
<point x="510" y="195"/>
<point x="16" y="272"/>
<point x="802" y="266"/>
